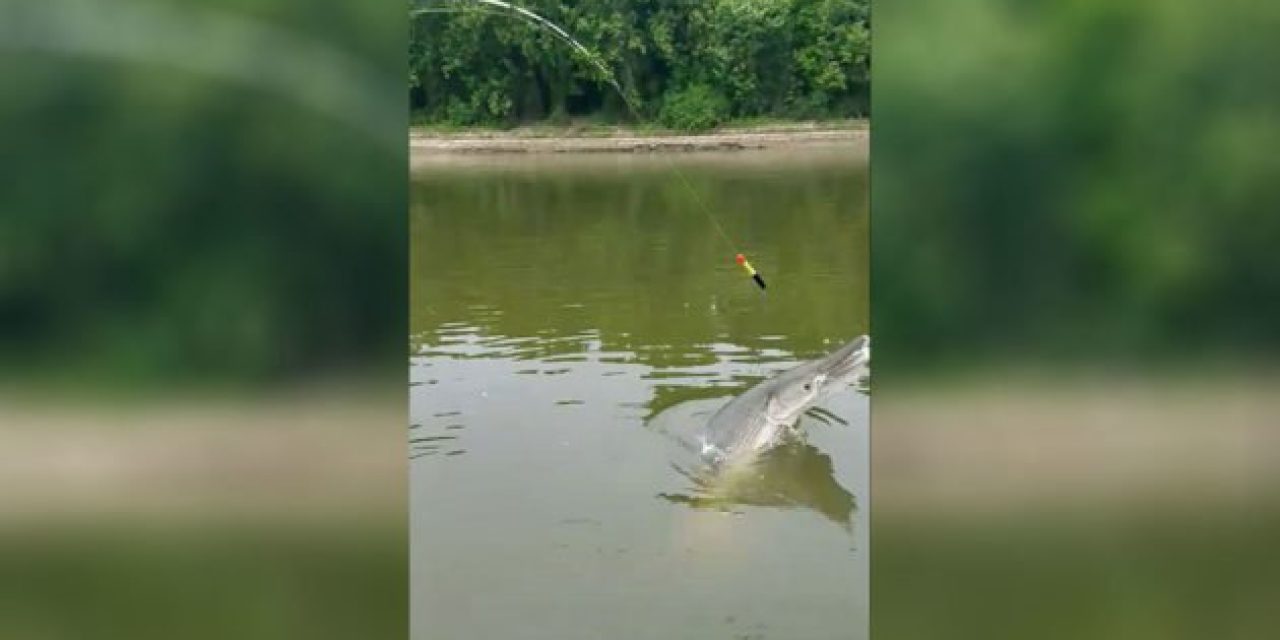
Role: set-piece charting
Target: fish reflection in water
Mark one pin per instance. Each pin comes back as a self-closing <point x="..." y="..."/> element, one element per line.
<point x="794" y="474"/>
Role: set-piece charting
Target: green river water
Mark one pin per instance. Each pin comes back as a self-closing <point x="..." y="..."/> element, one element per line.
<point x="567" y="314"/>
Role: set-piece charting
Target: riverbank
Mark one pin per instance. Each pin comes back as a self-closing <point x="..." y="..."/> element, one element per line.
<point x="425" y="141"/>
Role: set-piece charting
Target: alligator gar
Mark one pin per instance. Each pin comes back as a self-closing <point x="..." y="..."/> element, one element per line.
<point x="758" y="419"/>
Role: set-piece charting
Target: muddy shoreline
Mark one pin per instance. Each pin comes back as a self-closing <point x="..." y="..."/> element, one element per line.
<point x="424" y="143"/>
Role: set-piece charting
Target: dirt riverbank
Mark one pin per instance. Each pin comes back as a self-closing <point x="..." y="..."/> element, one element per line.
<point x="522" y="141"/>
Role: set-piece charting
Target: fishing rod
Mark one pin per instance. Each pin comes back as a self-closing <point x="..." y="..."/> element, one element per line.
<point x="505" y="8"/>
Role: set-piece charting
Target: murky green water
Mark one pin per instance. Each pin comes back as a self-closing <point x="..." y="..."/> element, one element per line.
<point x="567" y="314"/>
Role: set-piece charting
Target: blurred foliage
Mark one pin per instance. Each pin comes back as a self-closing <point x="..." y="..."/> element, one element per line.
<point x="471" y="64"/>
<point x="1077" y="180"/>
<point x="197" y="191"/>
<point x="235" y="583"/>
<point x="1084" y="173"/>
<point x="1060" y="577"/>
<point x="1057" y="184"/>
<point x="170" y="218"/>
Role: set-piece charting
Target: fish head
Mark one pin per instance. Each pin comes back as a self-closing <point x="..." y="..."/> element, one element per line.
<point x="787" y="402"/>
<point x="799" y="389"/>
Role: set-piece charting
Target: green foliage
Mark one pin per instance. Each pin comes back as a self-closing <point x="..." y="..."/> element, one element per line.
<point x="1084" y="179"/>
<point x="253" y="583"/>
<point x="762" y="58"/>
<point x="201" y="216"/>
<point x="694" y="108"/>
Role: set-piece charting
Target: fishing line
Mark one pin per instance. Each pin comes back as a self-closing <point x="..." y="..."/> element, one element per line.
<point x="503" y="8"/>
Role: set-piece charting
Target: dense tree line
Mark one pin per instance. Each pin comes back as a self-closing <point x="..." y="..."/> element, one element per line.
<point x="689" y="64"/>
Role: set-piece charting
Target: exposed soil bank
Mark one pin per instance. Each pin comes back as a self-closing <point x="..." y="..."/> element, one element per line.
<point x="622" y="141"/>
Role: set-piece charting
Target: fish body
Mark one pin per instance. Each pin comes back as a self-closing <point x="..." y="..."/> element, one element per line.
<point x="758" y="419"/>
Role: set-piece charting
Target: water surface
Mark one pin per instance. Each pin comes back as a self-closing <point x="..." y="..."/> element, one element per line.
<point x="570" y="313"/>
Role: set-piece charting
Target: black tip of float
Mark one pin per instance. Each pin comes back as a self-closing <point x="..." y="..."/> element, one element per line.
<point x="759" y="281"/>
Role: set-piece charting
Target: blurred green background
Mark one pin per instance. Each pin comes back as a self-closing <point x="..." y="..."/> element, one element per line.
<point x="202" y="319"/>
<point x="1076" y="302"/>
<point x="1053" y="175"/>
<point x="200" y="201"/>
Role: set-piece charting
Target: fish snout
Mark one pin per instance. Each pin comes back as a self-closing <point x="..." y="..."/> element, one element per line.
<point x="850" y="362"/>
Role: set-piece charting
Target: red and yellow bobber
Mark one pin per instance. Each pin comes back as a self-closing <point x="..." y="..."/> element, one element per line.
<point x="751" y="271"/>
